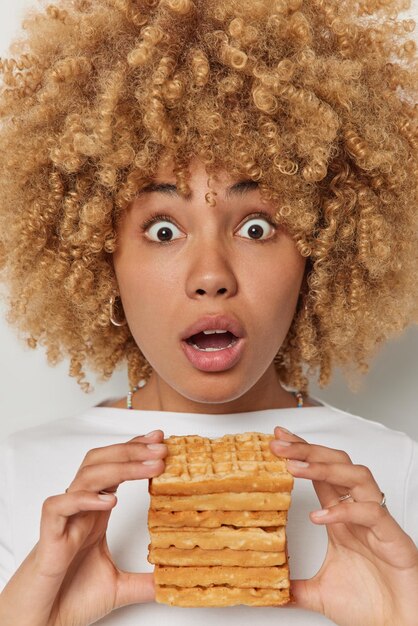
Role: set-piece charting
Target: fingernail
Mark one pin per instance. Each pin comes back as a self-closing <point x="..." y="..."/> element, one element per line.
<point x="156" y="446"/>
<point x="285" y="430"/>
<point x="281" y="443"/>
<point x="151" y="462"/>
<point x="104" y="496"/>
<point x="320" y="513"/>
<point x="150" y="434"/>
<point x="298" y="463"/>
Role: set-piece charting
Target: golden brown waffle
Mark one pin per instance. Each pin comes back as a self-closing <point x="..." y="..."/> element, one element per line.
<point x="270" y="577"/>
<point x="232" y="463"/>
<point x="214" y="519"/>
<point x="217" y="522"/>
<point x="271" y="539"/>
<point x="226" y="556"/>
<point x="250" y="501"/>
<point x="220" y="596"/>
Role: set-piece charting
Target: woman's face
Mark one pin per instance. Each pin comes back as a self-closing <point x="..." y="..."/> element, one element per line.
<point x="219" y="260"/>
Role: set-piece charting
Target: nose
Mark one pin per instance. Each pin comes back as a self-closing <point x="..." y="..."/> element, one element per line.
<point x="210" y="272"/>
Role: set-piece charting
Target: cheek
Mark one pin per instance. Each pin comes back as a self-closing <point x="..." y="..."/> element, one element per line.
<point x="144" y="287"/>
<point x="274" y="309"/>
<point x="276" y="285"/>
<point x="274" y="296"/>
<point x="141" y="287"/>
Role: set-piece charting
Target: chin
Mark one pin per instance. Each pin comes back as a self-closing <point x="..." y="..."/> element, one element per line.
<point x="213" y="392"/>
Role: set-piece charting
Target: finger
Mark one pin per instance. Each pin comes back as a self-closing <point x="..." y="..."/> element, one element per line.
<point x="283" y="433"/>
<point x="369" y="514"/>
<point x="57" y="509"/>
<point x="304" y="597"/>
<point x="138" y="448"/>
<point x="130" y="450"/>
<point x="134" y="588"/>
<point x="108" y="476"/>
<point x="357" y="479"/>
<point x="291" y="446"/>
<point x="154" y="435"/>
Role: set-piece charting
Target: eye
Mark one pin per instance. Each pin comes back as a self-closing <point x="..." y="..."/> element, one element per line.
<point x="256" y="228"/>
<point x="159" y="228"/>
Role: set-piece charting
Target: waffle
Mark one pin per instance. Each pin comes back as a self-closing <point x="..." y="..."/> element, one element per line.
<point x="214" y="519"/>
<point x="250" y="501"/>
<point x="220" y="595"/>
<point x="217" y="522"/>
<point x="275" y="577"/>
<point x="232" y="463"/>
<point x="226" y="556"/>
<point x="271" y="539"/>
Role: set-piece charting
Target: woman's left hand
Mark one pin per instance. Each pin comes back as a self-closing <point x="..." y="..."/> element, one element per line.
<point x="370" y="573"/>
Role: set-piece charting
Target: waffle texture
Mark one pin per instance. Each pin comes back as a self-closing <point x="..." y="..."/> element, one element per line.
<point x="217" y="522"/>
<point x="232" y="463"/>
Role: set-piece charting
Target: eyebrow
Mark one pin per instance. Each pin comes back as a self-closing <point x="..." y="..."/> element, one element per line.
<point x="169" y="189"/>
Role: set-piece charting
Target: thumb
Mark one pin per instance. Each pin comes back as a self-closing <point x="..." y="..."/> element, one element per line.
<point x="134" y="588"/>
<point x="306" y="594"/>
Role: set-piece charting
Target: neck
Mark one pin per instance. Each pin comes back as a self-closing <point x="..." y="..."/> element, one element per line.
<point x="267" y="393"/>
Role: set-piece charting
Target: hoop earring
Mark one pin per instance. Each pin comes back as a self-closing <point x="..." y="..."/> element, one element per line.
<point x="114" y="321"/>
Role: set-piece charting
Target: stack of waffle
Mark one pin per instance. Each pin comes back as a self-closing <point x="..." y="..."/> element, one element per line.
<point x="217" y="522"/>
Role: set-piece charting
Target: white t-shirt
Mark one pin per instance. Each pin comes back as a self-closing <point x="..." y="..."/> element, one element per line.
<point x="42" y="461"/>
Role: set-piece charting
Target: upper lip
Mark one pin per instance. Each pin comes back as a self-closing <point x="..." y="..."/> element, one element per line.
<point x="215" y="322"/>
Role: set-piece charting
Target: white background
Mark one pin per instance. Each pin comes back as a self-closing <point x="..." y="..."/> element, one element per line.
<point x="31" y="392"/>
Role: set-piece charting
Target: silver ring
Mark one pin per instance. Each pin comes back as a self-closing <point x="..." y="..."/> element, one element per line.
<point x="103" y="491"/>
<point x="348" y="496"/>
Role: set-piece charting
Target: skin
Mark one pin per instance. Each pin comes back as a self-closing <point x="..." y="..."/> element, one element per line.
<point x="369" y="558"/>
<point x="207" y="268"/>
<point x="69" y="577"/>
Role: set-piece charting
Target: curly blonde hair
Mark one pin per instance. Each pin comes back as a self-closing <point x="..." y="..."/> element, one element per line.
<point x="314" y="99"/>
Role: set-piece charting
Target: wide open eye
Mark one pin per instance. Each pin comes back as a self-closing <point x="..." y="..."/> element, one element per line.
<point x="256" y="228"/>
<point x="159" y="229"/>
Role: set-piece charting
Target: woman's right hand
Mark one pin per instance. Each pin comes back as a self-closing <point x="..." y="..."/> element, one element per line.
<point x="69" y="577"/>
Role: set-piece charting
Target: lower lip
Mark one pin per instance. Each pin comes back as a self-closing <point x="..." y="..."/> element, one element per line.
<point x="214" y="361"/>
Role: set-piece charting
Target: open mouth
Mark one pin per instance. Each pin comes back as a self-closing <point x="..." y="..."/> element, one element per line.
<point x="214" y="351"/>
<point x="213" y="341"/>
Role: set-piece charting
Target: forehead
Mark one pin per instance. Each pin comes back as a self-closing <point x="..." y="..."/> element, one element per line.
<point x="238" y="189"/>
<point x="164" y="181"/>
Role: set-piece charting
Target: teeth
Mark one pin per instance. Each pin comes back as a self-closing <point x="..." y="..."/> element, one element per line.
<point x="212" y="332"/>
<point x="212" y="349"/>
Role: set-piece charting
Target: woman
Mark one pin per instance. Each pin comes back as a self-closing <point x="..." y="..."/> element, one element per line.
<point x="185" y="166"/>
